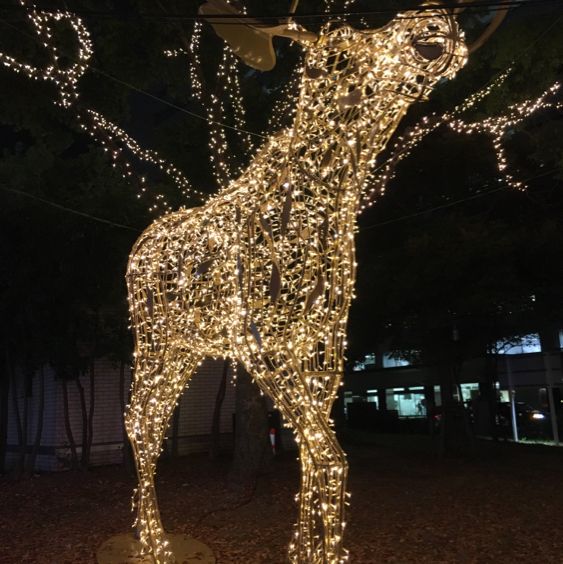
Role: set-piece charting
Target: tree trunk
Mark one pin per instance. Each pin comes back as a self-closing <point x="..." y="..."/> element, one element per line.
<point x="24" y="423"/>
<point x="68" y="428"/>
<point x="90" y="435"/>
<point x="84" y="414"/>
<point x="127" y="453"/>
<point x="485" y="418"/>
<point x="30" y="467"/>
<point x="430" y="402"/>
<point x="4" y="403"/>
<point x="215" y="445"/>
<point x="17" y="415"/>
<point x="252" y="452"/>
<point x="469" y="436"/>
<point x="455" y="432"/>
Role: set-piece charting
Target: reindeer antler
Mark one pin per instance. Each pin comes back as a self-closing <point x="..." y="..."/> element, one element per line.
<point x="489" y="30"/>
<point x="249" y="38"/>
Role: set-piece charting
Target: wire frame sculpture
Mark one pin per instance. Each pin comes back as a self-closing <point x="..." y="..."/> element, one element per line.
<point x="264" y="272"/>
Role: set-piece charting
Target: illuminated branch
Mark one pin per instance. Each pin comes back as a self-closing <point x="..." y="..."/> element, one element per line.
<point x="227" y="87"/>
<point x="496" y="128"/>
<point x="112" y="138"/>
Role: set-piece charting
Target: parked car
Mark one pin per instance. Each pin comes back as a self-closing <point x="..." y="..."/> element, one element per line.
<point x="532" y="423"/>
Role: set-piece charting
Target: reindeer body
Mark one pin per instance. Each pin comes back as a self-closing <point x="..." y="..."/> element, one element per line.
<point x="264" y="272"/>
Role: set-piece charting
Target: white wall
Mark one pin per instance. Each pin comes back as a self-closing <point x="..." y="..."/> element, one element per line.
<point x="196" y="409"/>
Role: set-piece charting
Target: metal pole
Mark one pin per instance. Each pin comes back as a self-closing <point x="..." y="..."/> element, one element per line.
<point x="511" y="393"/>
<point x="549" y="384"/>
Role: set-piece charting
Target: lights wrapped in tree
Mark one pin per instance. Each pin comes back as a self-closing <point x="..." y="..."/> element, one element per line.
<point x="498" y="127"/>
<point x="65" y="76"/>
<point x="495" y="127"/>
<point x="264" y="272"/>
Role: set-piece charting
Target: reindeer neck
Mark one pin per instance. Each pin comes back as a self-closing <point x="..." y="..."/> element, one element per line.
<point x="335" y="146"/>
<point x="328" y="151"/>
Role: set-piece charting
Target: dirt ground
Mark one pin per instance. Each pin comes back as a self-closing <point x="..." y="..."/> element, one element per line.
<point x="504" y="506"/>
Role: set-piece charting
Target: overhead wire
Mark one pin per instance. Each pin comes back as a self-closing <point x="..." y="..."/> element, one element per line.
<point x="175" y="106"/>
<point x="323" y="16"/>
<point x="457" y="202"/>
<point x="68" y="210"/>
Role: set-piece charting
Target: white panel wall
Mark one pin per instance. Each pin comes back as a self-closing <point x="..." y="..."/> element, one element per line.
<point x="196" y="408"/>
<point x="195" y="415"/>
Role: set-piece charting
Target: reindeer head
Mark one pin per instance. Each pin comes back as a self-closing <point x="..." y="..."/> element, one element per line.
<point x="398" y="63"/>
<point x="402" y="60"/>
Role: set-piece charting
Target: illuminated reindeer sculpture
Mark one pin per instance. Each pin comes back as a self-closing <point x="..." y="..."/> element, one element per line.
<point x="264" y="272"/>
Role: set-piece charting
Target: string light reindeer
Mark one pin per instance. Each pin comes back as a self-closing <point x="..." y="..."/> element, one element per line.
<point x="264" y="272"/>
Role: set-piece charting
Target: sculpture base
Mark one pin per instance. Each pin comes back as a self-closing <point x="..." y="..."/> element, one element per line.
<point x="125" y="549"/>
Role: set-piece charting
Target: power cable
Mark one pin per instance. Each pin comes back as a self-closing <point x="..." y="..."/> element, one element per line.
<point x="140" y="90"/>
<point x="173" y="105"/>
<point x="69" y="210"/>
<point x="499" y="4"/>
<point x="455" y="202"/>
<point x="331" y="19"/>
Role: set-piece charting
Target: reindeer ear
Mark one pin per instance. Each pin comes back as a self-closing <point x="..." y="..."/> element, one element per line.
<point x="249" y="41"/>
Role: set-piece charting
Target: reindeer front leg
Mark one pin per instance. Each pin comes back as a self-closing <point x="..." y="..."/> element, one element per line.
<point x="319" y="530"/>
<point x="145" y="428"/>
<point x="301" y="546"/>
<point x="324" y="469"/>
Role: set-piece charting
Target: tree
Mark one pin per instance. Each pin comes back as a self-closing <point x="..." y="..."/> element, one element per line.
<point x="49" y="162"/>
<point x="252" y="451"/>
<point x="71" y="265"/>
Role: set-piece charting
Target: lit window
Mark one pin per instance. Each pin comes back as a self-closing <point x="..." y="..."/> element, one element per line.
<point x="520" y="345"/>
<point x="390" y="361"/>
<point x="368" y="362"/>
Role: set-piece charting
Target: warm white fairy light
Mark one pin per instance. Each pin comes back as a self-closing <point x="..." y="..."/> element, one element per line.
<point x="284" y="110"/>
<point x="329" y="5"/>
<point x="172" y="53"/>
<point x="227" y="90"/>
<point x="99" y="122"/>
<point x="380" y="176"/>
<point x="220" y="156"/>
<point x="498" y="127"/>
<point x="234" y="371"/>
<point x="236" y="100"/>
<point x="264" y="272"/>
<point x="112" y="138"/>
<point x="65" y="77"/>
<point x="495" y="127"/>
<point x="195" y="62"/>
